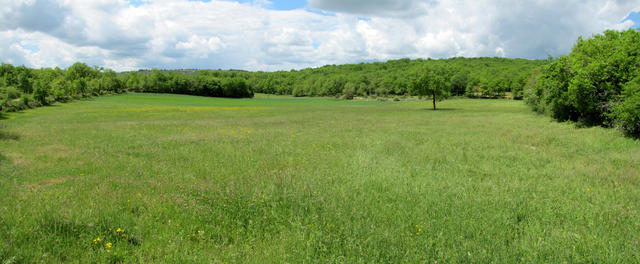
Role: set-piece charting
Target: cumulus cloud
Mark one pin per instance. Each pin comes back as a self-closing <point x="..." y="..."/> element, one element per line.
<point x="394" y="8"/>
<point x="226" y="34"/>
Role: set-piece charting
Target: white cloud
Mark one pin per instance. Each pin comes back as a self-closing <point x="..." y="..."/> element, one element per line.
<point x="624" y="25"/>
<point x="223" y="34"/>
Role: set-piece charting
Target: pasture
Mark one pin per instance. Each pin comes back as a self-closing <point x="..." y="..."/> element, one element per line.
<point x="276" y="179"/>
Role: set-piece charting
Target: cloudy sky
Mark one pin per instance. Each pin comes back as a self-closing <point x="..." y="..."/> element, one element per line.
<point x="291" y="34"/>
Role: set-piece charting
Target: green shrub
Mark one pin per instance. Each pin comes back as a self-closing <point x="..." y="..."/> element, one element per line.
<point x="236" y="88"/>
<point x="12" y="93"/>
<point x="349" y="91"/>
<point x="584" y="85"/>
<point x="41" y="91"/>
<point x="626" y="113"/>
<point x="297" y="91"/>
<point x="26" y="100"/>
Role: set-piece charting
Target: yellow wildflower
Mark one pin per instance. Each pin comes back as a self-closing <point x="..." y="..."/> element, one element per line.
<point x="108" y="245"/>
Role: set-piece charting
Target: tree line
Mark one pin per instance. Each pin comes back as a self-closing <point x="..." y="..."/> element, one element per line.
<point x="473" y="77"/>
<point x="22" y="87"/>
<point x="597" y="84"/>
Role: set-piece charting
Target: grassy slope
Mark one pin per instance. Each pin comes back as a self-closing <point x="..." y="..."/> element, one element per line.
<point x="276" y="179"/>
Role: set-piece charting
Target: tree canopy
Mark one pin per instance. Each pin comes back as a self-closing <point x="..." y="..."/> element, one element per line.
<point x="595" y="85"/>
<point x="433" y="82"/>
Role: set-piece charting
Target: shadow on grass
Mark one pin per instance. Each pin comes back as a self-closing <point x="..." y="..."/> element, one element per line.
<point x="4" y="135"/>
<point x="441" y="109"/>
<point x="8" y="136"/>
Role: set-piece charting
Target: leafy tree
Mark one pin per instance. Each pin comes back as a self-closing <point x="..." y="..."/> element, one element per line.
<point x="24" y="80"/>
<point x="626" y="112"/>
<point x="80" y="70"/>
<point x="41" y="91"/>
<point x="432" y="82"/>
<point x="587" y="85"/>
<point x="459" y="83"/>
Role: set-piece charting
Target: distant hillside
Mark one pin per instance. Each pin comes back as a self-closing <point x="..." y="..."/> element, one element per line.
<point x="486" y="77"/>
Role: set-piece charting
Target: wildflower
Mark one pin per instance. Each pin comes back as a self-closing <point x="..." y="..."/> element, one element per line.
<point x="108" y="245"/>
<point x="97" y="240"/>
<point x="119" y="230"/>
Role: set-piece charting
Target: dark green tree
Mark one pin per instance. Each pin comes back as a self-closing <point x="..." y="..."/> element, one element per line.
<point x="432" y="82"/>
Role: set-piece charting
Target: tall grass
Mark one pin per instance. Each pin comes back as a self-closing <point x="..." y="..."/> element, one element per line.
<point x="283" y="179"/>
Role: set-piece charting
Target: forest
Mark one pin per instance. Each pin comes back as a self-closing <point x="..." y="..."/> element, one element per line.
<point x="22" y="87"/>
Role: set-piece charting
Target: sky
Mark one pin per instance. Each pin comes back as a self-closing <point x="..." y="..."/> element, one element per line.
<point x="269" y="35"/>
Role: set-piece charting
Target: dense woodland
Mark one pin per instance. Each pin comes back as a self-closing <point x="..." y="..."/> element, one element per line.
<point x="598" y="83"/>
<point x="474" y="77"/>
<point x="22" y="87"/>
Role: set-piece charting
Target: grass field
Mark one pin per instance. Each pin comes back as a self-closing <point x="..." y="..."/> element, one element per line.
<point x="181" y="179"/>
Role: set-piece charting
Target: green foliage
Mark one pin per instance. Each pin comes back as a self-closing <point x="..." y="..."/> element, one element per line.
<point x="626" y="112"/>
<point x="12" y="93"/>
<point x="492" y="76"/>
<point x="585" y="85"/>
<point x="394" y="77"/>
<point x="236" y="88"/>
<point x="459" y="83"/>
<point x="41" y="91"/>
<point x="432" y="82"/>
<point x="79" y="71"/>
<point x="44" y="86"/>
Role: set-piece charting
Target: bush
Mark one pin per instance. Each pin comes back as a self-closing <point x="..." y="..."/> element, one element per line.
<point x="209" y="86"/>
<point x="626" y="113"/>
<point x="587" y="84"/>
<point x="12" y="93"/>
<point x="236" y="88"/>
<point x="349" y="91"/>
<point x="40" y="92"/>
<point x="26" y="100"/>
<point x="297" y="91"/>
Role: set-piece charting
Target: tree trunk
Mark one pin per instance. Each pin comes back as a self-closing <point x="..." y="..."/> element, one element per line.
<point x="434" y="100"/>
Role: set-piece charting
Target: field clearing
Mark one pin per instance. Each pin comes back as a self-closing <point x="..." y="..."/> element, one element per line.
<point x="274" y="179"/>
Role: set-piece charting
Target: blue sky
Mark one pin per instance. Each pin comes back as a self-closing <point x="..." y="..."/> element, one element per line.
<point x="635" y="17"/>
<point x="283" y="4"/>
<point x="292" y="34"/>
<point x="275" y="5"/>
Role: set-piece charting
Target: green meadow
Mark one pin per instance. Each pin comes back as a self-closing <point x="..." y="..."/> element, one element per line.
<point x="157" y="178"/>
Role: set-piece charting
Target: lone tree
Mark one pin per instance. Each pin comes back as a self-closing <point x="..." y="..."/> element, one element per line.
<point x="432" y="82"/>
